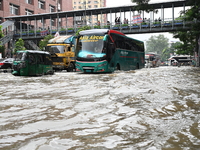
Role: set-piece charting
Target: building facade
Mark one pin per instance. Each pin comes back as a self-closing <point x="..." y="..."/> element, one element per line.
<point x="88" y="4"/>
<point x="29" y="7"/>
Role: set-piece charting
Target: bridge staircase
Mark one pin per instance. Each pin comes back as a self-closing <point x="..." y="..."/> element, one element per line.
<point x="30" y="43"/>
<point x="7" y="24"/>
<point x="9" y="36"/>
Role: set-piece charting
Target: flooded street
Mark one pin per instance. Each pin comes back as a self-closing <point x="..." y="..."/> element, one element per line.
<point x="146" y="109"/>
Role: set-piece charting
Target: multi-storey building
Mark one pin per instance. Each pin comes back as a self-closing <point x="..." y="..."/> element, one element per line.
<point x="88" y="4"/>
<point x="29" y="7"/>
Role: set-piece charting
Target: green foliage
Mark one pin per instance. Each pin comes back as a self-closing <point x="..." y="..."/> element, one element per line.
<point x="172" y="50"/>
<point x="143" y="5"/>
<point x="157" y="44"/>
<point x="43" y="43"/>
<point x="83" y="28"/>
<point x="70" y="29"/>
<point x="124" y="25"/>
<point x="62" y="29"/>
<point x="189" y="38"/>
<point x="2" y="50"/>
<point x="97" y="27"/>
<point x="19" y="45"/>
<point x="2" y="47"/>
<point x="1" y="32"/>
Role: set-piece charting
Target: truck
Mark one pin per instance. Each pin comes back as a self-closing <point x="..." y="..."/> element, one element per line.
<point x="62" y="52"/>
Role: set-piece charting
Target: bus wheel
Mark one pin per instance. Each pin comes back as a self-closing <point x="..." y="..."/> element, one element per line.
<point x="117" y="67"/>
<point x="70" y="67"/>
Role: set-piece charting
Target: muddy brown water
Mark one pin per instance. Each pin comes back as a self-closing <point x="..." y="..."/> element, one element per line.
<point x="146" y="109"/>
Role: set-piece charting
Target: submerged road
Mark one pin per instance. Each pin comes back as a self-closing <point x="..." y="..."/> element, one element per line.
<point x="146" y="109"/>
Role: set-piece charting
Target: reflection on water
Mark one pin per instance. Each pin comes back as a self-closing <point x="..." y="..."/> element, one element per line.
<point x="147" y="109"/>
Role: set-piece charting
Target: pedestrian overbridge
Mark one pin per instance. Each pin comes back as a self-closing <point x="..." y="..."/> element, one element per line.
<point x="34" y="27"/>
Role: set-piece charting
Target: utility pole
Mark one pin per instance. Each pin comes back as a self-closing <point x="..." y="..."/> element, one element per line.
<point x="85" y="20"/>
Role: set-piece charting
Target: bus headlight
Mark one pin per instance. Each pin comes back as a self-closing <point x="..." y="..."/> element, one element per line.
<point x="77" y="65"/>
<point x="102" y="65"/>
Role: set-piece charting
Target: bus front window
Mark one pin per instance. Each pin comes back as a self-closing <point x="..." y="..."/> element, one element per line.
<point x="91" y="46"/>
<point x="56" y="49"/>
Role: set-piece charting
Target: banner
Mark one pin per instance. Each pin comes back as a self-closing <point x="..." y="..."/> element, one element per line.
<point x="57" y="34"/>
<point x="137" y="19"/>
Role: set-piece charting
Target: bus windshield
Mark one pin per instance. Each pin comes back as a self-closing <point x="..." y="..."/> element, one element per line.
<point x="56" y="49"/>
<point x="90" y="46"/>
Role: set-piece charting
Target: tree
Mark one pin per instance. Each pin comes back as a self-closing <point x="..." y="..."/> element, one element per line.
<point x="2" y="47"/>
<point x="143" y="5"/>
<point x="167" y="52"/>
<point x="19" y="45"/>
<point x="43" y="43"/>
<point x="157" y="44"/>
<point x="83" y="28"/>
<point x="190" y="38"/>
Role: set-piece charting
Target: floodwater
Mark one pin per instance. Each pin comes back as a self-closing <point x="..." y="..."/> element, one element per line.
<point x="146" y="109"/>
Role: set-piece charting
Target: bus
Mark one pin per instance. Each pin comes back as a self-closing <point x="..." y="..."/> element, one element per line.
<point x="105" y="50"/>
<point x="152" y="60"/>
<point x="62" y="53"/>
<point x="32" y="63"/>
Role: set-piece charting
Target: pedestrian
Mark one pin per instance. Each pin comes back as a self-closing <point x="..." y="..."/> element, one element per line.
<point x="125" y="21"/>
<point x="116" y="20"/>
<point x="108" y="24"/>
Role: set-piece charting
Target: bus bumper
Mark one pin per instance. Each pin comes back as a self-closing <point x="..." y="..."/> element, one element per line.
<point x="92" y="67"/>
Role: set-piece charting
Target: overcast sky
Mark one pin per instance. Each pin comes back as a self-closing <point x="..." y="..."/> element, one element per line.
<point x="167" y="14"/>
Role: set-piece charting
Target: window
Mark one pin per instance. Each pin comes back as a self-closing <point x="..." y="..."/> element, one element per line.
<point x="28" y="12"/>
<point x="1" y="20"/>
<point x="96" y="2"/>
<point x="1" y="5"/>
<point x="14" y="9"/>
<point x="95" y="6"/>
<point x="41" y="4"/>
<point x="52" y="9"/>
<point x="29" y="1"/>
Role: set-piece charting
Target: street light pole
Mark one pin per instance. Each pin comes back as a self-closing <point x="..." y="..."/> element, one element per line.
<point x="85" y="13"/>
<point x="85" y="20"/>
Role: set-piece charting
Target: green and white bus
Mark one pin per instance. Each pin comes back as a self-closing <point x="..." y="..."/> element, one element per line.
<point x="32" y="63"/>
<point x="104" y="50"/>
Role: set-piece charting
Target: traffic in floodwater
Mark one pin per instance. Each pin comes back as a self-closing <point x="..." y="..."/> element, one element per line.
<point x="146" y="109"/>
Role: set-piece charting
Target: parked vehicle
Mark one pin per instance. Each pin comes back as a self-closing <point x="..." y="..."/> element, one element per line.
<point x="32" y="63"/>
<point x="6" y="63"/>
<point x="62" y="53"/>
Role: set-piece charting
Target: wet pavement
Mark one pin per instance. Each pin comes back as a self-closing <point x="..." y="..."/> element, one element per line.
<point x="146" y="109"/>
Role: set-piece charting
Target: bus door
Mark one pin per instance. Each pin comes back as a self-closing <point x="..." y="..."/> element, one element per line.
<point x="32" y="63"/>
<point x="110" y="50"/>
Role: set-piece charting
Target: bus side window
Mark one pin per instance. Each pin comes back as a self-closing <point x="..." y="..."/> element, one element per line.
<point x="32" y="59"/>
<point x="110" y="48"/>
<point x="40" y="59"/>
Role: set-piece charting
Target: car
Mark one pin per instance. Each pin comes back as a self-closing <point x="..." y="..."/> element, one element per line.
<point x="6" y="63"/>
